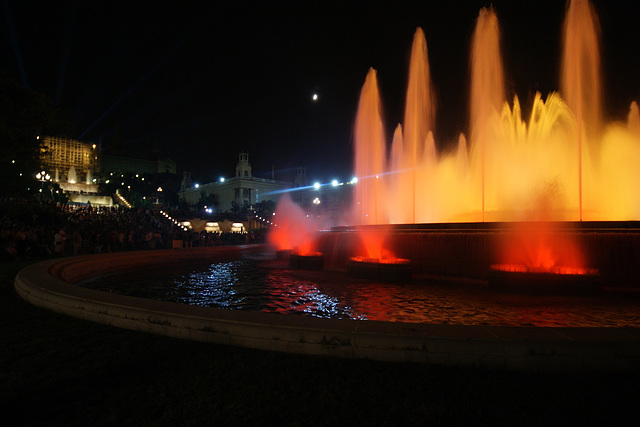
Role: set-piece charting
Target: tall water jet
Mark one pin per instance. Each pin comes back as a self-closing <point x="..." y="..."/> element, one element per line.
<point x="370" y="165"/>
<point x="71" y="176"/>
<point x="370" y="155"/>
<point x="495" y="173"/>
<point x="580" y="84"/>
<point x="487" y="95"/>
<point x="397" y="178"/>
<point x="418" y="118"/>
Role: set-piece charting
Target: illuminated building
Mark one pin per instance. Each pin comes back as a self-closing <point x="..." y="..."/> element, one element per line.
<point x="67" y="159"/>
<point x="243" y="189"/>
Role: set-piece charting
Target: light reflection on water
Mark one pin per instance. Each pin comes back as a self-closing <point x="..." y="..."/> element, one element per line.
<point x="246" y="284"/>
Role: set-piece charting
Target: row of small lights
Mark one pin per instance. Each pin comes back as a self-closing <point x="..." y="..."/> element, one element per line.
<point x="335" y="183"/>
<point x="265" y="220"/>
<point x="121" y="176"/>
<point x="42" y="176"/>
<point x="316" y="185"/>
<point x="175" y="221"/>
<point x="127" y="204"/>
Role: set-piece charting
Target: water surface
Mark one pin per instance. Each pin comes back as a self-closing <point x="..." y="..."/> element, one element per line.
<point x="254" y="284"/>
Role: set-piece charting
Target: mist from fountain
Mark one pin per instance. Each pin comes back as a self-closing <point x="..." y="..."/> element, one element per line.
<point x="291" y="229"/>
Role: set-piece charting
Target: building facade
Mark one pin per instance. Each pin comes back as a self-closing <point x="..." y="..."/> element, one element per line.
<point x="243" y="189"/>
<point x="68" y="160"/>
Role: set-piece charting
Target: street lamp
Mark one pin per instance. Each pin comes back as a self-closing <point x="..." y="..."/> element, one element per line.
<point x="43" y="177"/>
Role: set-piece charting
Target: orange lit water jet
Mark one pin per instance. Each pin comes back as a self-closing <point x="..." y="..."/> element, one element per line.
<point x="562" y="152"/>
<point x="493" y="173"/>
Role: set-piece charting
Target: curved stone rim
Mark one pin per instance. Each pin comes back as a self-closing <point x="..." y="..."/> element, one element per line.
<point x="49" y="284"/>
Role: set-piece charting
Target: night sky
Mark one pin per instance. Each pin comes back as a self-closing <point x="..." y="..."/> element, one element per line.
<point x="204" y="80"/>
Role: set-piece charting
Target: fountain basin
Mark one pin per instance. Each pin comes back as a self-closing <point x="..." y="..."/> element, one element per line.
<point x="283" y="255"/>
<point x="50" y="284"/>
<point x="557" y="280"/>
<point x="396" y="270"/>
<point x="467" y="250"/>
<point x="307" y="261"/>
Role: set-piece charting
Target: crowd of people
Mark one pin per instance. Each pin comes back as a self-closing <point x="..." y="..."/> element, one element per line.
<point x="36" y="229"/>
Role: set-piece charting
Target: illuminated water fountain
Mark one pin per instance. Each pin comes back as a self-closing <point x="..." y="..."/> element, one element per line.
<point x="522" y="196"/>
<point x="376" y="261"/>
<point x="497" y="172"/>
<point x="562" y="164"/>
<point x="72" y="177"/>
<point x="293" y="235"/>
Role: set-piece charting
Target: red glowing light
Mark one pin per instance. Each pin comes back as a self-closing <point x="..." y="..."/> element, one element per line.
<point x="294" y="230"/>
<point x="388" y="269"/>
<point x="306" y="253"/>
<point x="519" y="268"/>
<point x="543" y="249"/>
<point x="392" y="260"/>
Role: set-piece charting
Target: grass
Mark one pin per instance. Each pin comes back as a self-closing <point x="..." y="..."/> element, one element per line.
<point x="57" y="370"/>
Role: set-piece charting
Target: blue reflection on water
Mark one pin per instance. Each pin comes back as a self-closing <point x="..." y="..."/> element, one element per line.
<point x="246" y="284"/>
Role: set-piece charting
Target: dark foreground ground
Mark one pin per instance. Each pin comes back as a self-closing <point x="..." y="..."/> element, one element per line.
<point x="56" y="370"/>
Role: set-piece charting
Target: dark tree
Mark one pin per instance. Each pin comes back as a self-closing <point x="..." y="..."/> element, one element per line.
<point x="209" y="200"/>
<point x="239" y="211"/>
<point x="265" y="208"/>
<point x="25" y="114"/>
